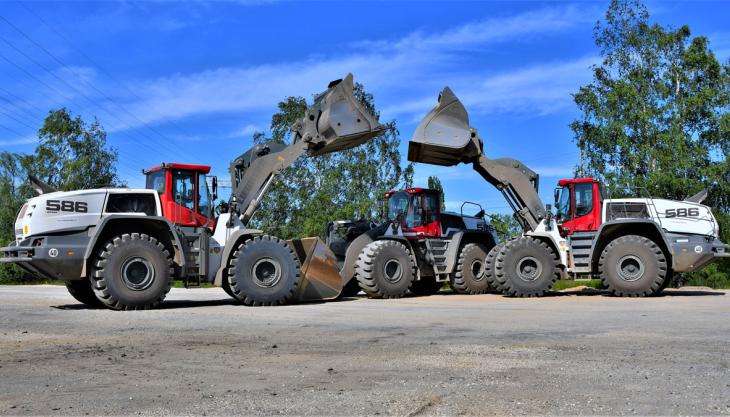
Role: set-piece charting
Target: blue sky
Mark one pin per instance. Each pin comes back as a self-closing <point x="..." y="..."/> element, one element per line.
<point x="190" y="82"/>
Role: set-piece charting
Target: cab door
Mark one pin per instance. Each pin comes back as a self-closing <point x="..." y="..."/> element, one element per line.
<point x="584" y="211"/>
<point x="190" y="205"/>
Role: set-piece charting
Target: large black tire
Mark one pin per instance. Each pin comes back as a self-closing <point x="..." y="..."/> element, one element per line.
<point x="264" y="271"/>
<point x="133" y="272"/>
<point x="426" y="286"/>
<point x="81" y="290"/>
<point x="527" y="266"/>
<point x="489" y="270"/>
<point x="665" y="283"/>
<point x="385" y="269"/>
<point x="469" y="276"/>
<point x="633" y="266"/>
<point x="227" y="288"/>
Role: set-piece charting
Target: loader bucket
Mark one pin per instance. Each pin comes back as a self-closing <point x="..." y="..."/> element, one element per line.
<point x="320" y="278"/>
<point x="444" y="136"/>
<point x="337" y="121"/>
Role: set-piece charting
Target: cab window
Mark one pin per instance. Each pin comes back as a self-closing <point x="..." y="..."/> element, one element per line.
<point x="183" y="188"/>
<point x="583" y="199"/>
<point x="562" y="204"/>
<point x="431" y="204"/>
<point x="398" y="206"/>
<point x="203" y="196"/>
<point x="156" y="181"/>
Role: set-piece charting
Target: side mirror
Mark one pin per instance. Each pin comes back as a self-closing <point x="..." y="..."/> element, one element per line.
<point x="214" y="186"/>
<point x="556" y="194"/>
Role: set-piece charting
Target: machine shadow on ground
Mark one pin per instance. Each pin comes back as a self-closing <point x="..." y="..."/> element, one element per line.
<point x="175" y="304"/>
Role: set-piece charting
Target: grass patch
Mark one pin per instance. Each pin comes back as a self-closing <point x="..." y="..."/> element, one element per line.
<point x="564" y="284"/>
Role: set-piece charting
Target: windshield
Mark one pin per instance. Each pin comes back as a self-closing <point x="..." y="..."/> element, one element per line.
<point x="401" y="208"/>
<point x="156" y="181"/>
<point x="398" y="206"/>
<point x="562" y="204"/>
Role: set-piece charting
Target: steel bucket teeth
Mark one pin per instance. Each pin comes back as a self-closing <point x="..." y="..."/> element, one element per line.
<point x="444" y="136"/>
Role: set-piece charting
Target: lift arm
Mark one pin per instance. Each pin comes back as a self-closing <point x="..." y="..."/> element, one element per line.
<point x="335" y="122"/>
<point x="444" y="137"/>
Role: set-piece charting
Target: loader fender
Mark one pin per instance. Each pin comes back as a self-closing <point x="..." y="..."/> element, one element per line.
<point x="156" y="226"/>
<point x="611" y="230"/>
<point x="459" y="239"/>
<point x="355" y="248"/>
<point x="230" y="245"/>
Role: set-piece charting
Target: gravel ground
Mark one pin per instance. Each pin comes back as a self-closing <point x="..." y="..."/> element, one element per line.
<point x="441" y="355"/>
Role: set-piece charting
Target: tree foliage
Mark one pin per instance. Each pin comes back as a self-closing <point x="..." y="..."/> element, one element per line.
<point x="505" y="225"/>
<point x="655" y="116"/>
<point x="342" y="185"/>
<point x="70" y="155"/>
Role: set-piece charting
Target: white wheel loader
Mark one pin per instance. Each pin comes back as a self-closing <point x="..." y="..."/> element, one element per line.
<point x="633" y="244"/>
<point x="122" y="248"/>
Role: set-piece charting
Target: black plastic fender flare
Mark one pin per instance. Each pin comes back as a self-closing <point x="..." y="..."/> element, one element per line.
<point x="229" y="245"/>
<point x="178" y="257"/>
<point x="601" y="239"/>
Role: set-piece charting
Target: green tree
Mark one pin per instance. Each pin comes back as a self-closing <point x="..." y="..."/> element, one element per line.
<point x="505" y="225"/>
<point x="434" y="183"/>
<point x="13" y="192"/>
<point x="655" y="116"/>
<point x="342" y="185"/>
<point x="72" y="154"/>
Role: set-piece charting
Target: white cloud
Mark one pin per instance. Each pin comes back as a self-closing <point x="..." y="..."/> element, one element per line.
<point x="394" y="69"/>
<point x="555" y="171"/>
<point x="246" y="131"/>
<point x="18" y="142"/>
<point x="539" y="89"/>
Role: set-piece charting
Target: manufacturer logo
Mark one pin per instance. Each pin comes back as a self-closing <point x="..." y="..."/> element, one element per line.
<point x="698" y="249"/>
<point x="53" y="252"/>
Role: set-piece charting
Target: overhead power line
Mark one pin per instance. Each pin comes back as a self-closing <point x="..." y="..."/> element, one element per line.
<point x="71" y="70"/>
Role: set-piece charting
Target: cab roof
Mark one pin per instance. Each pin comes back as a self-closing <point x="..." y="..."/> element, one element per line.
<point x="185" y="167"/>
<point x="576" y="181"/>
<point x="412" y="190"/>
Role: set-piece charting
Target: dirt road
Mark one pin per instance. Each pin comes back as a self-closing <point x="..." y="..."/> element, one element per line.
<point x="446" y="354"/>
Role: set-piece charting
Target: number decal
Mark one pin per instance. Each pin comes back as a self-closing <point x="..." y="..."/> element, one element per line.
<point x="682" y="212"/>
<point x="54" y="206"/>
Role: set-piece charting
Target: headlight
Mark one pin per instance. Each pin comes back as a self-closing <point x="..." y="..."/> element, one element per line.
<point x="21" y="213"/>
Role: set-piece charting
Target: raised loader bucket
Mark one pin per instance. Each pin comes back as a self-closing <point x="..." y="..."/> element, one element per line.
<point x="444" y="136"/>
<point x="320" y="278"/>
<point x="337" y="121"/>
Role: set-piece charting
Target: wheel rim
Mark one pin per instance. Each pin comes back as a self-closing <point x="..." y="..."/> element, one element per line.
<point x="266" y="272"/>
<point x="529" y="269"/>
<point x="630" y="268"/>
<point x="137" y="273"/>
<point x="393" y="270"/>
<point x="477" y="270"/>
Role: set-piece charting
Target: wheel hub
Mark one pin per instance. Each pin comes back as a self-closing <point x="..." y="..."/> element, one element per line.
<point x="266" y="272"/>
<point x="529" y="269"/>
<point x="630" y="268"/>
<point x="477" y="270"/>
<point x="137" y="273"/>
<point x="393" y="270"/>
